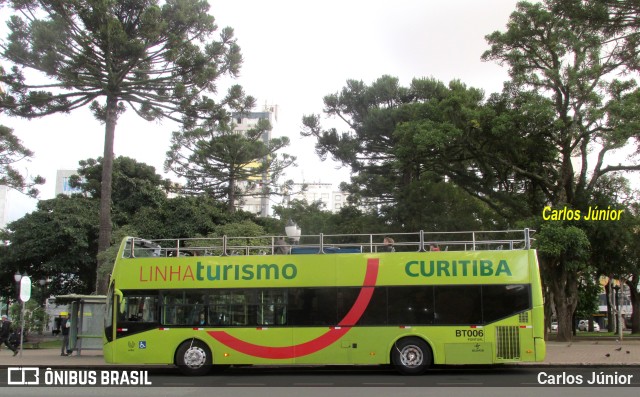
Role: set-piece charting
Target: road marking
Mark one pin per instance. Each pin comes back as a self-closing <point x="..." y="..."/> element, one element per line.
<point x="383" y="384"/>
<point x="173" y="384"/>
<point x="246" y="384"/>
<point x="313" y="384"/>
<point x="460" y="383"/>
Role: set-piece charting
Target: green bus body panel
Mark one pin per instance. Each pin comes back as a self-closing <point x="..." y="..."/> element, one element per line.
<point x="361" y="344"/>
<point x="461" y="267"/>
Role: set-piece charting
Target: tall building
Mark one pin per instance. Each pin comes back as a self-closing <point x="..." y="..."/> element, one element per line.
<point x="332" y="198"/>
<point x="62" y="182"/>
<point x="256" y="202"/>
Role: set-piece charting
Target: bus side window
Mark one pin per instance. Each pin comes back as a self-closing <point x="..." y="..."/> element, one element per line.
<point x="138" y="308"/>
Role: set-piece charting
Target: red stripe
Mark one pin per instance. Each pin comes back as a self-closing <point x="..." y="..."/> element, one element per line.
<point x="319" y="343"/>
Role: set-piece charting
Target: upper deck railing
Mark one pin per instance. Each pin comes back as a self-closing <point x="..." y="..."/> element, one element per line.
<point x="330" y="243"/>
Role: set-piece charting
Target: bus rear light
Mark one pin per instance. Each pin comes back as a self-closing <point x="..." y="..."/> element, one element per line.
<point x="198" y="329"/>
<point x="122" y="329"/>
<point x="164" y="329"/>
<point x="405" y="326"/>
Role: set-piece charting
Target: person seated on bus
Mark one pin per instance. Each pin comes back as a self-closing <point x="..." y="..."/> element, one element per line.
<point x="281" y="247"/>
<point x="434" y="247"/>
<point x="387" y="245"/>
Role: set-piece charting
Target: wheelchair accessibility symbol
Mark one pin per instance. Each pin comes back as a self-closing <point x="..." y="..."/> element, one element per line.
<point x="142" y="344"/>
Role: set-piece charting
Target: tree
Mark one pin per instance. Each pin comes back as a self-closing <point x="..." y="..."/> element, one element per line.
<point x="393" y="139"/>
<point x="619" y="18"/>
<point x="135" y="186"/>
<point x="158" y="60"/>
<point x="58" y="241"/>
<point x="564" y="249"/>
<point x="556" y="56"/>
<point x="215" y="161"/>
<point x="181" y="217"/>
<point x="11" y="152"/>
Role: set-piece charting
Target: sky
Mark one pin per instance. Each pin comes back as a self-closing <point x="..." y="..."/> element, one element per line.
<point x="294" y="54"/>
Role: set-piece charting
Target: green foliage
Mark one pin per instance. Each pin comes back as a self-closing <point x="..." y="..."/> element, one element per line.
<point x="11" y="152"/>
<point x="135" y="185"/>
<point x="226" y="165"/>
<point x="35" y="317"/>
<point x="312" y="218"/>
<point x="572" y="64"/>
<point x="180" y="217"/>
<point x="401" y="142"/>
<point x="156" y="59"/>
<point x="588" y="294"/>
<point x="562" y="247"/>
<point x="57" y="240"/>
<point x="161" y="60"/>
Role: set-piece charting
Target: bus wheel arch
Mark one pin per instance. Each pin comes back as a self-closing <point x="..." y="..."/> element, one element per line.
<point x="411" y="355"/>
<point x="194" y="357"/>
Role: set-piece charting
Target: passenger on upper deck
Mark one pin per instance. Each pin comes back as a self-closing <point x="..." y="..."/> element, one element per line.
<point x="281" y="247"/>
<point x="388" y="245"/>
<point x="434" y="247"/>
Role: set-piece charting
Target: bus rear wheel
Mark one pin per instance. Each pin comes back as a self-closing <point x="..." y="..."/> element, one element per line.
<point x="411" y="356"/>
<point x="193" y="357"/>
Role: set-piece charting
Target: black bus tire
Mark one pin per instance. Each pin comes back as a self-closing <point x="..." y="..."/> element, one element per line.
<point x="194" y="358"/>
<point x="411" y="356"/>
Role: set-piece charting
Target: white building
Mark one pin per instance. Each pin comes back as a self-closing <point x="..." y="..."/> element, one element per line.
<point x="62" y="182"/>
<point x="332" y="198"/>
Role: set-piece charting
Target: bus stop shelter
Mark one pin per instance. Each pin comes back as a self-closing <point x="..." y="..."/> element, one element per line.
<point x="86" y="313"/>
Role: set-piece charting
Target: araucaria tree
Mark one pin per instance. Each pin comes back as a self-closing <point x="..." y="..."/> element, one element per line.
<point x="11" y="152"/>
<point x="161" y="60"/>
<point x="226" y="164"/>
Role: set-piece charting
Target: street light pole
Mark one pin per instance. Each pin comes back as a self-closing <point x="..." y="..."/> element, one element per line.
<point x="293" y="231"/>
<point x="16" y="277"/>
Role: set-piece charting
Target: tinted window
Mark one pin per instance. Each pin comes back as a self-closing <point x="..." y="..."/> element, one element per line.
<point x="183" y="308"/>
<point x="500" y="301"/>
<point x="458" y="304"/>
<point x="233" y="307"/>
<point x="376" y="312"/>
<point x="312" y="306"/>
<point x="411" y="305"/>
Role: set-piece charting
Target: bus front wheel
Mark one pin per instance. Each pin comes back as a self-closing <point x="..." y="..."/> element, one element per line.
<point x="411" y="356"/>
<point x="193" y="357"/>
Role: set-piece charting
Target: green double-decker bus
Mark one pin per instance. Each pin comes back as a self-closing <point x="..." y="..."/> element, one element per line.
<point x="204" y="304"/>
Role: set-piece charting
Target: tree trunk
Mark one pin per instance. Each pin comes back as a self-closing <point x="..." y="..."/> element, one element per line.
<point x="104" y="236"/>
<point x="231" y="205"/>
<point x="564" y="288"/>
<point x="611" y="321"/>
<point x="635" y="303"/>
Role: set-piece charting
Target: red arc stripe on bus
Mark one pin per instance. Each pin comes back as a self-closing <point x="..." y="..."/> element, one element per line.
<point x="319" y="343"/>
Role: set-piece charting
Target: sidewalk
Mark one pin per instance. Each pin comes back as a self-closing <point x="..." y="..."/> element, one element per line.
<point x="583" y="352"/>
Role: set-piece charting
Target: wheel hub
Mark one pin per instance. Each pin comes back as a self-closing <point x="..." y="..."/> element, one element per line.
<point x="411" y="356"/>
<point x="195" y="357"/>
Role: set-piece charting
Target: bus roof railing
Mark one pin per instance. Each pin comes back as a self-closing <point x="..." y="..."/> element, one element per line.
<point x="330" y="243"/>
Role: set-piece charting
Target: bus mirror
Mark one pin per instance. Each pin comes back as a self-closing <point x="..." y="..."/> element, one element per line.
<point x="120" y="297"/>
